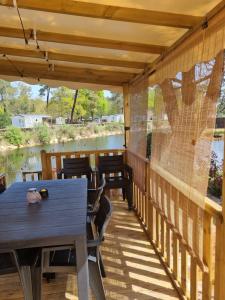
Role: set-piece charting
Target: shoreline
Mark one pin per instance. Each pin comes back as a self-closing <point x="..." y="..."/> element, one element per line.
<point x="8" y="147"/>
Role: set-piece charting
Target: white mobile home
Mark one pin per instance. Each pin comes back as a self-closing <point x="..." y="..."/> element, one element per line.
<point x="113" y="118"/>
<point x="28" y="121"/>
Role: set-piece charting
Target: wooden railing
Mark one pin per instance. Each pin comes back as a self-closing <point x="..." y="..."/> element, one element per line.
<point x="185" y="231"/>
<point x="31" y="175"/>
<point x="52" y="162"/>
<point x="186" y="234"/>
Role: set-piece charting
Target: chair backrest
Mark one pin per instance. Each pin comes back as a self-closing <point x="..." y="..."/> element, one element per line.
<point x="77" y="167"/>
<point x="7" y="264"/>
<point x="111" y="164"/>
<point x="94" y="195"/>
<point x="103" y="215"/>
<point x="2" y="183"/>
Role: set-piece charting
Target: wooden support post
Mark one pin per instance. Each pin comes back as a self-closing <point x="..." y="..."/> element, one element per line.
<point x="126" y="97"/>
<point x="220" y="246"/>
<point x="46" y="166"/>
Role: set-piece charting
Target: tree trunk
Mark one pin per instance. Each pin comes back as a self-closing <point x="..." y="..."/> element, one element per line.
<point x="47" y="98"/>
<point x="74" y="105"/>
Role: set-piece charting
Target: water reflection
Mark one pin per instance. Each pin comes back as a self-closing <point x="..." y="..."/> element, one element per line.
<point x="11" y="162"/>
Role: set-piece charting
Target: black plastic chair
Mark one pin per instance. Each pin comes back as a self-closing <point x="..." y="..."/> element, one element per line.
<point x="94" y="195"/>
<point x="2" y="183"/>
<point x="76" y="167"/>
<point x="7" y="260"/>
<point x="117" y="175"/>
<point x="63" y="259"/>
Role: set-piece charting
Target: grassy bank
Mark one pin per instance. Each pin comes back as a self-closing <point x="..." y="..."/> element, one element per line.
<point x="15" y="137"/>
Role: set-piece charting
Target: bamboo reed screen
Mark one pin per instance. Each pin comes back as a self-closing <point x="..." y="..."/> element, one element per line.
<point x="185" y="112"/>
<point x="138" y="117"/>
<point x="203" y="45"/>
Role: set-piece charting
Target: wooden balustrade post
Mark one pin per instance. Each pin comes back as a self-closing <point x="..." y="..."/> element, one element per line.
<point x="207" y="257"/>
<point x="218" y="258"/>
<point x="220" y="246"/>
<point x="220" y="253"/>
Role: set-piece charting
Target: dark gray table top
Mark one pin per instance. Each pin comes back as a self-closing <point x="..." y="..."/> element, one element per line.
<point x="60" y="219"/>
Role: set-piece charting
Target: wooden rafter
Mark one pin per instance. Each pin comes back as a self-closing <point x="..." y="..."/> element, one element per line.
<point x="42" y="70"/>
<point x="82" y="40"/>
<point x="110" y="12"/>
<point x="56" y="56"/>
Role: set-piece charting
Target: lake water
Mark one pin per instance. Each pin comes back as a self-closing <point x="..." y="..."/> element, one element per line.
<point x="12" y="162"/>
<point x="218" y="148"/>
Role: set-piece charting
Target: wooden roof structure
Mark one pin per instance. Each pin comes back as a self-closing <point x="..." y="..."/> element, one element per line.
<point x="98" y="44"/>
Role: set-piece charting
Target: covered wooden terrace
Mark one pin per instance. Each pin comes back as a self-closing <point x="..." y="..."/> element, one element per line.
<point x="126" y="47"/>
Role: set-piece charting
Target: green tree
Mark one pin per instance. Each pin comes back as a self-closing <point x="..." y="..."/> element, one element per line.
<point x="116" y="103"/>
<point x="61" y="102"/>
<point x="7" y="92"/>
<point x="102" y="106"/>
<point x="22" y="103"/>
<point x="45" y="90"/>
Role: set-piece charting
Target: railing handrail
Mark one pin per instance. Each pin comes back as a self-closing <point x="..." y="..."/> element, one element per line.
<point x="84" y="152"/>
<point x="139" y="156"/>
<point x="46" y="159"/>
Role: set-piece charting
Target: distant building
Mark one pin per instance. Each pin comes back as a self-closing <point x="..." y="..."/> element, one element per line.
<point x="113" y="118"/>
<point x="60" y="121"/>
<point x="29" y="121"/>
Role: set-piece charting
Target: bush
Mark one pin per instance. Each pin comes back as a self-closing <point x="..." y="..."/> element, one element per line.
<point x="5" y="120"/>
<point x="215" y="176"/>
<point x="97" y="129"/>
<point x="43" y="134"/>
<point x="14" y="136"/>
<point x="67" y="131"/>
<point x="114" y="126"/>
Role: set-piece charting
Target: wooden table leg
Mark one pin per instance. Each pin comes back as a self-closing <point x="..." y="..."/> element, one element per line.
<point x="82" y="268"/>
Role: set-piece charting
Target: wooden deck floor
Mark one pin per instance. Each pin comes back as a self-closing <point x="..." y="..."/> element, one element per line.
<point x="133" y="269"/>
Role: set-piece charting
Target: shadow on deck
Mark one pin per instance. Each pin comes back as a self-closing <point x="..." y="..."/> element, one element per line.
<point x="133" y="269"/>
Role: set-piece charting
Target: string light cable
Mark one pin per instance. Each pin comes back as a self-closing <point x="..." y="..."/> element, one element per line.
<point x="21" y="21"/>
<point x="13" y="65"/>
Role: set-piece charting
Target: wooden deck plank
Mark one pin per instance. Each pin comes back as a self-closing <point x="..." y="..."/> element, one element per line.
<point x="133" y="269"/>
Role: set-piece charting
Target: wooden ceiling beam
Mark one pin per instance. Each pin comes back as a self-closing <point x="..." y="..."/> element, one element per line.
<point x="56" y="56"/>
<point x="82" y="40"/>
<point x="109" y="12"/>
<point x="37" y="70"/>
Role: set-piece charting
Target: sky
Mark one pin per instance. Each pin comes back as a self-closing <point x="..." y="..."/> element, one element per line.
<point x="35" y="90"/>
